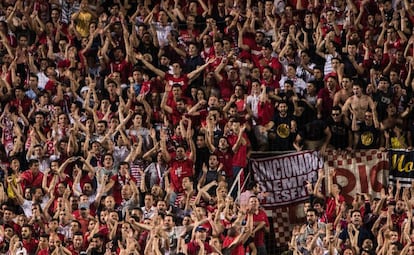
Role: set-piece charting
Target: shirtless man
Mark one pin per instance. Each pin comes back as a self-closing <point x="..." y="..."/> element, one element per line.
<point x="358" y="104"/>
<point x="345" y="93"/>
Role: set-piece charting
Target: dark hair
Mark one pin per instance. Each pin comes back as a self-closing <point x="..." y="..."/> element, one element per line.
<point x="34" y="76"/>
<point x="32" y="162"/>
<point x="98" y="235"/>
<point x="268" y="68"/>
<point x="293" y="65"/>
<point x="124" y="163"/>
<point x="77" y="222"/>
<point x="290" y="82"/>
<point x="251" y="184"/>
<point x="78" y="233"/>
<point x="337" y="108"/>
<point x="320" y="201"/>
<point x="103" y="122"/>
<point x="355" y="211"/>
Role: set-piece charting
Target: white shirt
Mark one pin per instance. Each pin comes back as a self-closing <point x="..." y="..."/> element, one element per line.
<point x="43" y="79"/>
<point x="253" y="102"/>
<point x="163" y="32"/>
<point x="298" y="83"/>
<point x="27" y="206"/>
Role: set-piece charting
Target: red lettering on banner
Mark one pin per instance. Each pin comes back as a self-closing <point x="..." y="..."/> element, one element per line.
<point x="375" y="184"/>
<point x="363" y="178"/>
<point x="350" y="184"/>
<point x="348" y="191"/>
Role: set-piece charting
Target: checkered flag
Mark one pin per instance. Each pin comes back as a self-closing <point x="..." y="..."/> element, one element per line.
<point x="281" y="224"/>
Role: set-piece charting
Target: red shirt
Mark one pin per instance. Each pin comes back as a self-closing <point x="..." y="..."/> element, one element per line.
<point x="193" y="248"/>
<point x="175" y="116"/>
<point x="259" y="236"/>
<point x="188" y="37"/>
<point x="331" y="208"/>
<point x="240" y="156"/>
<point x="31" y="180"/>
<point x="237" y="250"/>
<point x="180" y="169"/>
<point x="30" y="245"/>
<point x="226" y="88"/>
<point x="272" y="62"/>
<point x="25" y="103"/>
<point x="43" y="252"/>
<point x="84" y="222"/>
<point x="327" y="101"/>
<point x="226" y="158"/>
<point x="273" y="84"/>
<point x="182" y="80"/>
<point x="120" y="181"/>
<point x="265" y="112"/>
<point x="123" y="67"/>
<point x="72" y="250"/>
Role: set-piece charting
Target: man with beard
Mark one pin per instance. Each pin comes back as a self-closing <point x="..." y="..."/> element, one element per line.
<point x="36" y="196"/>
<point x="212" y="172"/>
<point x="282" y="130"/>
<point x="366" y="135"/>
<point x="29" y="243"/>
<point x="398" y="216"/>
<point x="54" y="242"/>
<point x="312" y="226"/>
<point x="96" y="247"/>
<point x="173" y="232"/>
<point x="147" y="46"/>
<point x="161" y="206"/>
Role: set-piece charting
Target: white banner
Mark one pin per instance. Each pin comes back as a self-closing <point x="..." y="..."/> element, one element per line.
<point x="364" y="171"/>
<point x="284" y="177"/>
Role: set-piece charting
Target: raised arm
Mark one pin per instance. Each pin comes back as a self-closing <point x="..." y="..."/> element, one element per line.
<point x="157" y="71"/>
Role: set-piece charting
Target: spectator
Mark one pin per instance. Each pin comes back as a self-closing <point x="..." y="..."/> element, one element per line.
<point x="282" y="129"/>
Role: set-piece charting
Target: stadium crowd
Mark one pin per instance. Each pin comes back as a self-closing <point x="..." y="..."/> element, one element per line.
<point x="125" y="123"/>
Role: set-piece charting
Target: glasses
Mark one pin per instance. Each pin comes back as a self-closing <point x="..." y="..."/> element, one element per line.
<point x="335" y="114"/>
